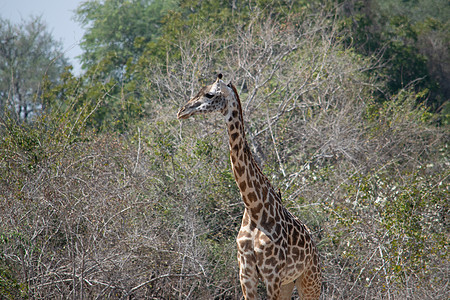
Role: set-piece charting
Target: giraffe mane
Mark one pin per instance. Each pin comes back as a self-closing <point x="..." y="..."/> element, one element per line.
<point x="238" y="100"/>
<point x="247" y="147"/>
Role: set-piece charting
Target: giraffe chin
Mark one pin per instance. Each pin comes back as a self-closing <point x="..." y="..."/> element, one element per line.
<point x="182" y="114"/>
<point x="185" y="114"/>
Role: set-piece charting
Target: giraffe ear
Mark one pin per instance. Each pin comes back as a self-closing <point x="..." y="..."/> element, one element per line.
<point x="229" y="84"/>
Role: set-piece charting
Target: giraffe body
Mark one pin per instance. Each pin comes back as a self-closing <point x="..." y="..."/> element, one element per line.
<point x="273" y="245"/>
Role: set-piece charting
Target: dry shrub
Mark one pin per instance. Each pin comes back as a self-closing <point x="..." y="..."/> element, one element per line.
<point x="89" y="222"/>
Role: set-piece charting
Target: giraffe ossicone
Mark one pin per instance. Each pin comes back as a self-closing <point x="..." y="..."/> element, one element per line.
<point x="273" y="245"/>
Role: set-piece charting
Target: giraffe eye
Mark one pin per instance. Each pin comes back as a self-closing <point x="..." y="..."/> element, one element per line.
<point x="209" y="96"/>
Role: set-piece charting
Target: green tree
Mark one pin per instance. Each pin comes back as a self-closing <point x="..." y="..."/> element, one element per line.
<point x="117" y="30"/>
<point x="28" y="54"/>
<point x="412" y="38"/>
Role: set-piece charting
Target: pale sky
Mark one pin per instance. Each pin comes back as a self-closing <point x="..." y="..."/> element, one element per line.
<point x="57" y="14"/>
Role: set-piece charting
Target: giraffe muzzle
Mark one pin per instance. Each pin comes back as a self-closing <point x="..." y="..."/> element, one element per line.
<point x="182" y="114"/>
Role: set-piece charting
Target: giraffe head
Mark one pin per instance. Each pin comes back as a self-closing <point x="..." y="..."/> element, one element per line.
<point x="209" y="99"/>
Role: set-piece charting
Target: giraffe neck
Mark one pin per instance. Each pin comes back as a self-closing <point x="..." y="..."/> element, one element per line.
<point x="252" y="183"/>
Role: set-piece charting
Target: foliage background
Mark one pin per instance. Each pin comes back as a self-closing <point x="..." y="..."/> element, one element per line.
<point x="104" y="194"/>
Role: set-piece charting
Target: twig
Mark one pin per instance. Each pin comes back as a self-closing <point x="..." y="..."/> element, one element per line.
<point x="138" y="151"/>
<point x="275" y="146"/>
<point x="156" y="278"/>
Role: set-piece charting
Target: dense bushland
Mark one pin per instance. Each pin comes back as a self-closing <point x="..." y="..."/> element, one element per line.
<point x="106" y="195"/>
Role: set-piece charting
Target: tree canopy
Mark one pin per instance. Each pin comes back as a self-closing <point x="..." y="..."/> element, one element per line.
<point x="29" y="56"/>
<point x="118" y="30"/>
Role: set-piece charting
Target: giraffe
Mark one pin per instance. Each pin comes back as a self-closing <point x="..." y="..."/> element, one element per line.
<point x="273" y="245"/>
